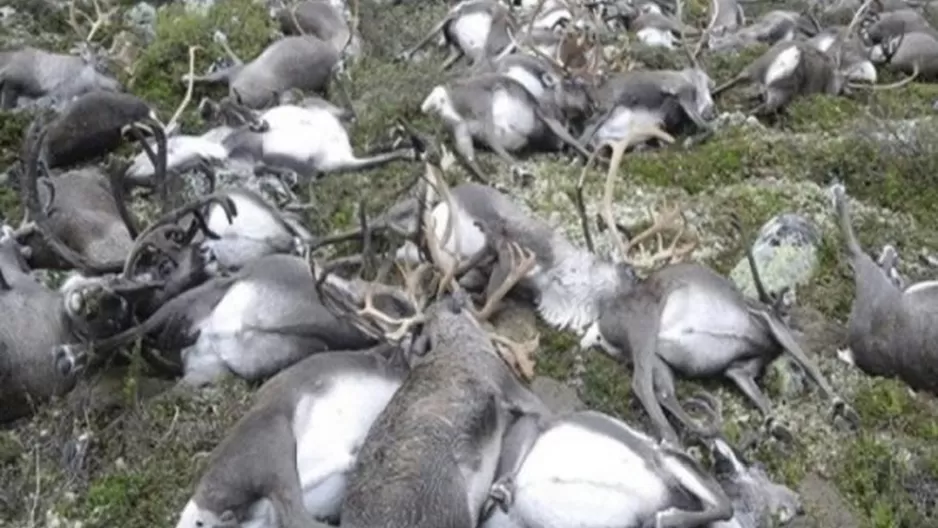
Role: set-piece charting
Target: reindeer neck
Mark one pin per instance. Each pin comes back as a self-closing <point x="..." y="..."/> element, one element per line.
<point x="571" y="290"/>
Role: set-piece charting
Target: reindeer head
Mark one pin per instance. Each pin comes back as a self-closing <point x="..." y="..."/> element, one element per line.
<point x="756" y="499"/>
<point x="99" y="307"/>
<point x="92" y="52"/>
<point x="438" y="320"/>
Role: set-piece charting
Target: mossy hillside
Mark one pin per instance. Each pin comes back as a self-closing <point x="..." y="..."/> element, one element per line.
<point x="141" y="472"/>
<point x="158" y="73"/>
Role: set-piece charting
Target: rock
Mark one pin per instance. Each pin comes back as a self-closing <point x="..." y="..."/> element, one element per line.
<point x="198" y="6"/>
<point x="786" y="253"/>
<point x="558" y="397"/>
<point x="142" y="20"/>
<point x="6" y="16"/>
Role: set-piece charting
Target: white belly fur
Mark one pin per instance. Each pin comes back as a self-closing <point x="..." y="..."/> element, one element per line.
<point x="625" y="119"/>
<point x="329" y="429"/>
<point x="527" y="79"/>
<point x="472" y="31"/>
<point x="513" y="120"/>
<point x="471" y="240"/>
<point x="708" y="325"/>
<point x="574" y="477"/>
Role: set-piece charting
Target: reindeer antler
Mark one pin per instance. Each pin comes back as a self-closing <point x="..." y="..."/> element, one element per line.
<point x="102" y="18"/>
<point x="668" y="220"/>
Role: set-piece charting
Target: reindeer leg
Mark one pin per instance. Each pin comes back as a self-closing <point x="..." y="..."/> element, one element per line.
<point x="563" y="134"/>
<point x="642" y="323"/>
<point x="454" y="55"/>
<point x="370" y="162"/>
<point x="462" y="139"/>
<point x="517" y="443"/>
<point x="218" y="77"/>
<point x="664" y="388"/>
<point x="743" y="375"/>
<point x="783" y="336"/>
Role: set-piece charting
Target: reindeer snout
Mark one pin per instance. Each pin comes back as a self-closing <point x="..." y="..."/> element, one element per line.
<point x="68" y="359"/>
<point x="709" y="112"/>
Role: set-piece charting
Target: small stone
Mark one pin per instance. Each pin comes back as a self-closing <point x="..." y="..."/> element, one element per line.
<point x="142" y="19"/>
<point x="786" y="254"/>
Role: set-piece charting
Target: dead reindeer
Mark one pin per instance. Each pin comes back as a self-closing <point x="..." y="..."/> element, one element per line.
<point x="655" y="28"/>
<point x="77" y="220"/>
<point x="500" y="113"/>
<point x="95" y="124"/>
<point x="36" y="319"/>
<point x="298" y="62"/>
<point x="792" y="69"/>
<point x="888" y="25"/>
<point x="914" y="54"/>
<point x="308" y="449"/>
<point x="665" y="324"/>
<point x="855" y="62"/>
<point x="318" y="18"/>
<point x="726" y="16"/>
<point x="771" y="28"/>
<point x="671" y="99"/>
<point x="891" y="331"/>
<point x="183" y="152"/>
<point x="475" y="29"/>
<point x="590" y="470"/>
<point x="35" y="73"/>
<point x="310" y="140"/>
<point x="251" y="323"/>
<point x="446" y="422"/>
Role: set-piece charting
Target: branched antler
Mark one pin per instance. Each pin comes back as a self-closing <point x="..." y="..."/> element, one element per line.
<point x="413" y="280"/>
<point x="102" y="18"/>
<point x="663" y="222"/>
<point x="672" y="219"/>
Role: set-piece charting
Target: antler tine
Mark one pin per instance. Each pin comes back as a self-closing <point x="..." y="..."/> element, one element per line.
<point x="404" y="324"/>
<point x="673" y="253"/>
<point x="174" y="121"/>
<point x="98" y="23"/>
<point x="522" y="261"/>
<point x="618" y="150"/>
<point x="446" y="263"/>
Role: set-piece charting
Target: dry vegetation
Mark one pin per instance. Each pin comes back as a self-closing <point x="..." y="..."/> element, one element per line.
<point x="107" y="457"/>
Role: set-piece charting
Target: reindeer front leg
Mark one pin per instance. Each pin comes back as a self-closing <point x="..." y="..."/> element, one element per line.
<point x="517" y="443"/>
<point x="716" y="505"/>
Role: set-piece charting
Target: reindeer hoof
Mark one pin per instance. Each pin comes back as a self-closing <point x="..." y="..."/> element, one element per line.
<point x="503" y="493"/>
<point x="841" y="409"/>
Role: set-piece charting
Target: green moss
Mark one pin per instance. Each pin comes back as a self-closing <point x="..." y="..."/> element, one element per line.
<point x="888" y="404"/>
<point x="872" y="476"/>
<point x="159" y="70"/>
